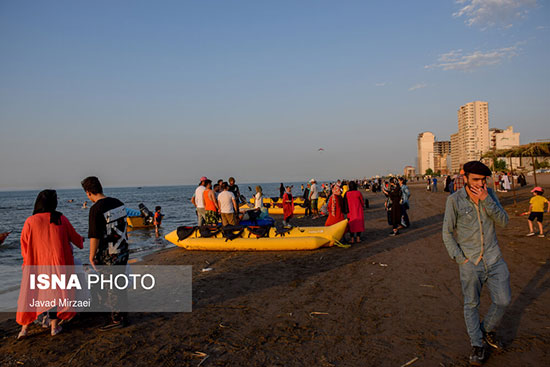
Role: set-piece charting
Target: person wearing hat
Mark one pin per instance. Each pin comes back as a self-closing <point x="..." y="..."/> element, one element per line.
<point x="469" y="235"/>
<point x="536" y="210"/>
<point x="198" y="201"/>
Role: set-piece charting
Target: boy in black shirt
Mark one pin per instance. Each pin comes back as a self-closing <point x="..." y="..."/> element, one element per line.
<point x="108" y="242"/>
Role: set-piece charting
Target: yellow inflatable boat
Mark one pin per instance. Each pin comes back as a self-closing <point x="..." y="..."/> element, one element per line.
<point x="277" y="207"/>
<point x="295" y="239"/>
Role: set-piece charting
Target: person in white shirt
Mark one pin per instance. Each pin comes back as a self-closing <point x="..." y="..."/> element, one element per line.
<point x="314" y="199"/>
<point x="227" y="205"/>
<point x="198" y="201"/>
<point x="259" y="198"/>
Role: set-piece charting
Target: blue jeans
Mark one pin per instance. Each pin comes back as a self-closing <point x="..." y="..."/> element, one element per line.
<point x="473" y="277"/>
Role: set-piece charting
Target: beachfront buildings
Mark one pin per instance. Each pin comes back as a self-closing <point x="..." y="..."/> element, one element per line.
<point x="472" y="139"/>
<point x="425" y="152"/>
<point x="409" y="171"/>
<point x="503" y="139"/>
<point x="455" y="154"/>
<point x="442" y="152"/>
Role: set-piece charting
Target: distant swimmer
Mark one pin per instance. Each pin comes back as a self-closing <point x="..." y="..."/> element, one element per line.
<point x="70" y="200"/>
<point x="85" y="205"/>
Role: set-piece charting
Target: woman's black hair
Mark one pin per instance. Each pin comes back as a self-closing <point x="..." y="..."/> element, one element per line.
<point x="46" y="202"/>
<point x="352" y="186"/>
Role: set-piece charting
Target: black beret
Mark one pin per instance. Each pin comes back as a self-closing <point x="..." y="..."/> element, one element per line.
<point x="478" y="168"/>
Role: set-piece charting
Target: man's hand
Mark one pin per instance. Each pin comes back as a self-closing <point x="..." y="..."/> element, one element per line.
<point x="465" y="261"/>
<point x="479" y="192"/>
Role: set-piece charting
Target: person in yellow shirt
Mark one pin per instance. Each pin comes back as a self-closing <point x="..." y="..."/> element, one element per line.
<point x="536" y="210"/>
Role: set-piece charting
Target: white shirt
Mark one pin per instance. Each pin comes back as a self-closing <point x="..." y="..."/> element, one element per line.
<point x="314" y="192"/>
<point x="199" y="196"/>
<point x="258" y="201"/>
<point x="225" y="200"/>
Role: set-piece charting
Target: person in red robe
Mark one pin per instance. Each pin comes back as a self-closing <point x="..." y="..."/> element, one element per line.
<point x="356" y="216"/>
<point x="288" y="206"/>
<point x="45" y="241"/>
<point x="334" y="207"/>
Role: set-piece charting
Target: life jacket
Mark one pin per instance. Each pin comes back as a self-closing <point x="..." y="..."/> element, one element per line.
<point x="158" y="218"/>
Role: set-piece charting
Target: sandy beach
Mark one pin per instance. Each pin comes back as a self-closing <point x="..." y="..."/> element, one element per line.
<point x="384" y="302"/>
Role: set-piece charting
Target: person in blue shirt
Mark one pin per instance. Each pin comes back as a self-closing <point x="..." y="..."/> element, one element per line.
<point x="469" y="235"/>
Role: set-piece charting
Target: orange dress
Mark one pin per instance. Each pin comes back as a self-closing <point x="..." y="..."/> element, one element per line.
<point x="45" y="243"/>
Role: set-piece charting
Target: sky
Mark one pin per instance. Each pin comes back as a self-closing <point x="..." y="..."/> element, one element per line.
<point x="145" y="93"/>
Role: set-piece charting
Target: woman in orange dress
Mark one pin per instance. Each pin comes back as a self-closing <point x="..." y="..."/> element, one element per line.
<point x="334" y="207"/>
<point x="45" y="240"/>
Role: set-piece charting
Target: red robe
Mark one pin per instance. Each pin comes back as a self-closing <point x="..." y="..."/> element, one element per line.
<point x="45" y="243"/>
<point x="288" y="206"/>
<point x="334" y="207"/>
<point x="355" y="214"/>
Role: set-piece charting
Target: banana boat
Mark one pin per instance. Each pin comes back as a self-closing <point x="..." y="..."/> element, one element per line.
<point x="251" y="239"/>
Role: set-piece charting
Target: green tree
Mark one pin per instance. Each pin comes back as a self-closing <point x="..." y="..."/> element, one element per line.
<point x="543" y="164"/>
<point x="499" y="164"/>
<point x="429" y="172"/>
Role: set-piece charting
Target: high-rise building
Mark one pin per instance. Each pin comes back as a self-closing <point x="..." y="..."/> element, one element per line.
<point x="455" y="153"/>
<point x="425" y="152"/>
<point x="504" y="139"/>
<point x="442" y="150"/>
<point x="473" y="132"/>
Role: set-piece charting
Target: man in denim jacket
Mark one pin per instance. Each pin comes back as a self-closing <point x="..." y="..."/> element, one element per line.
<point x="470" y="238"/>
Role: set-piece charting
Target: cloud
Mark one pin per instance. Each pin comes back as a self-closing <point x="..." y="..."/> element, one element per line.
<point x="457" y="60"/>
<point x="383" y="84"/>
<point x="487" y="13"/>
<point x="418" y="86"/>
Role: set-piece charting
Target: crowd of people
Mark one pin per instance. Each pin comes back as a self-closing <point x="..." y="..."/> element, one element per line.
<point x="48" y="236"/>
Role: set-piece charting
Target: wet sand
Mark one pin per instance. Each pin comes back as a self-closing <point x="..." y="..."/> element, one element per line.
<point x="383" y="302"/>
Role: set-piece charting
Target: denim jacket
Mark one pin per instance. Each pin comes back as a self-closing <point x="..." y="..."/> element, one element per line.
<point x="469" y="229"/>
<point x="405" y="194"/>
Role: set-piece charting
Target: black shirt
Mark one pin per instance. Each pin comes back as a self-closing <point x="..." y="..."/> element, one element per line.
<point x="235" y="190"/>
<point x="108" y="224"/>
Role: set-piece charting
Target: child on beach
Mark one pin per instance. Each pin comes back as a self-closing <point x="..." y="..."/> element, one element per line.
<point x="536" y="210"/>
<point x="157" y="219"/>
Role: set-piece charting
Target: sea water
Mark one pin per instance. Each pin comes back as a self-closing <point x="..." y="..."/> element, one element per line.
<point x="17" y="206"/>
